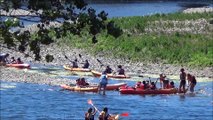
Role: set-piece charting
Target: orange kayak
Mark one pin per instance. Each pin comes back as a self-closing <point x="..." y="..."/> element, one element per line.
<point x="98" y="74"/>
<point x="67" y="67"/>
<point x="131" y="90"/>
<point x="18" y="65"/>
<point x="81" y="89"/>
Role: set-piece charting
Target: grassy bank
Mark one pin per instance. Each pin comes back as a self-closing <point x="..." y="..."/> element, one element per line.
<point x="146" y="39"/>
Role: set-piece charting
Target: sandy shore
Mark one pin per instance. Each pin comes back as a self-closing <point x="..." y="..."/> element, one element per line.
<point x="59" y="55"/>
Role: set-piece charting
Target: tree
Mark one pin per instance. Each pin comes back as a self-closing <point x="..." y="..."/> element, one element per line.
<point x="73" y="16"/>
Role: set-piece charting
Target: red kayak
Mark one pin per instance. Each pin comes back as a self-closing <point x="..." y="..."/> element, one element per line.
<point x="18" y="65"/>
<point x="98" y="74"/>
<point x="112" y="86"/>
<point x="131" y="90"/>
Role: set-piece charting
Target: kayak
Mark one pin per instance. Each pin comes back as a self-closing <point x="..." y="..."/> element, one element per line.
<point x="81" y="89"/>
<point x="131" y="90"/>
<point x="18" y="65"/>
<point x="67" y="67"/>
<point x="98" y="74"/>
<point x="109" y="86"/>
<point x="112" y="86"/>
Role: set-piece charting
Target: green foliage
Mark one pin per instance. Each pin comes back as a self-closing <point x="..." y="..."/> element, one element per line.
<point x="77" y="19"/>
<point x="175" y="48"/>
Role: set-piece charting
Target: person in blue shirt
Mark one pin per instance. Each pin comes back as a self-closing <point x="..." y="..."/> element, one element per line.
<point x="103" y="81"/>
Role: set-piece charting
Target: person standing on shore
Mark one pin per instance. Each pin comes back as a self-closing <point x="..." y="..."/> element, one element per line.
<point x="182" y="80"/>
<point x="103" y="82"/>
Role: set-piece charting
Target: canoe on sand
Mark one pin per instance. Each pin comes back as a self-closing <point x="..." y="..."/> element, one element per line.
<point x="98" y="74"/>
<point x="67" y="67"/>
<point x="18" y="65"/>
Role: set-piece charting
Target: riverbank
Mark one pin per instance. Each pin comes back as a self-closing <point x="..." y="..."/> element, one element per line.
<point x="133" y="67"/>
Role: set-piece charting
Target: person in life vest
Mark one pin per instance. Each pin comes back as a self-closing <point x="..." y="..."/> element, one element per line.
<point x="120" y="71"/>
<point x="86" y="64"/>
<point x="103" y="81"/>
<point x="152" y="86"/>
<point x="182" y="80"/>
<point x="75" y="64"/>
<point x="13" y="60"/>
<point x="171" y="85"/>
<point x="90" y="114"/>
<point x="19" y="61"/>
<point x="108" y="70"/>
<point x="104" y="115"/>
<point x="138" y="84"/>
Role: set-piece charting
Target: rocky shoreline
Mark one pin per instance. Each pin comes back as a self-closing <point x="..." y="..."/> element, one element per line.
<point x="60" y="52"/>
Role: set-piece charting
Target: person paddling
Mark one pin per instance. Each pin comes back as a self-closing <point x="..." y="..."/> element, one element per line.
<point x="90" y="115"/>
<point x="120" y="71"/>
<point x="104" y="115"/>
<point x="108" y="70"/>
<point x="86" y="64"/>
<point x="3" y="58"/>
<point x="75" y="64"/>
<point x="13" y="60"/>
<point x="19" y="61"/>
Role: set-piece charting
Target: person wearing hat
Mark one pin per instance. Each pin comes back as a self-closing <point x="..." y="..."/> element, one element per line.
<point x="182" y="80"/>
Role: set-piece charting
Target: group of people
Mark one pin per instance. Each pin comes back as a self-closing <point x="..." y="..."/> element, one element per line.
<point x="109" y="70"/>
<point x="81" y="82"/>
<point x="4" y="59"/>
<point x="75" y="64"/>
<point x="166" y="84"/>
<point x="191" y="81"/>
<point x="103" y="115"/>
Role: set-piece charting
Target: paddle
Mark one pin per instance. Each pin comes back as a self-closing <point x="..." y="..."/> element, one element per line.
<point x="100" y="62"/>
<point x="122" y="114"/>
<point x="90" y="102"/>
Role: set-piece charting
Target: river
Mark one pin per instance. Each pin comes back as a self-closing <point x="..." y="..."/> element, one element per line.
<point x="24" y="101"/>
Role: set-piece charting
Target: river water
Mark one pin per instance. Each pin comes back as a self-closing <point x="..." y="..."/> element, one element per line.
<point x="22" y="101"/>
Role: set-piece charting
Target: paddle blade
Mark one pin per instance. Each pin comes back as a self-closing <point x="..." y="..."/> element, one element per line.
<point x="89" y="101"/>
<point x="79" y="55"/>
<point x="125" y="114"/>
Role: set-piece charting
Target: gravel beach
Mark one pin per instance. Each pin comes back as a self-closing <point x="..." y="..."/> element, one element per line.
<point x="59" y="53"/>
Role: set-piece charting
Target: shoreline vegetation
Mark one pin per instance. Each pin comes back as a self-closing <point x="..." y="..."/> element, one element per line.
<point x="149" y="45"/>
